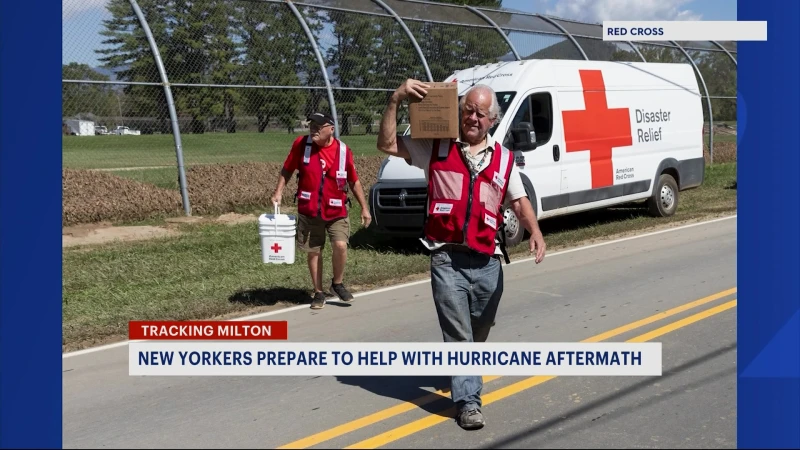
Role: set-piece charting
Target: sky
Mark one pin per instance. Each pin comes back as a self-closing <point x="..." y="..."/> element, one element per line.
<point x="82" y="19"/>
<point x="598" y="10"/>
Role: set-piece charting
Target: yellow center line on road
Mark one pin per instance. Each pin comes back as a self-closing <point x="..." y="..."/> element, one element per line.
<point x="434" y="396"/>
<point x="442" y="416"/>
<point x="373" y="418"/>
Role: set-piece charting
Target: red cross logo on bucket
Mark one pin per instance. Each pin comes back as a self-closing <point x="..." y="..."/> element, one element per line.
<point x="275" y="247"/>
<point x="597" y="128"/>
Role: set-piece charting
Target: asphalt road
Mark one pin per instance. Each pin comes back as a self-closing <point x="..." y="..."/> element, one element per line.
<point x="675" y="287"/>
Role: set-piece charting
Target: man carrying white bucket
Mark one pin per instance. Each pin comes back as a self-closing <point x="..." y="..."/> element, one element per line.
<point x="326" y="170"/>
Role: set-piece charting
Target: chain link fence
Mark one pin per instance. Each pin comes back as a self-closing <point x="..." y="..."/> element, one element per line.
<point x="205" y="82"/>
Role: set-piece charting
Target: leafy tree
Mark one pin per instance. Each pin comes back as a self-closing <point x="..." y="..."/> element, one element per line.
<point x="719" y="74"/>
<point x="132" y="57"/>
<point x="202" y="50"/>
<point x="276" y="53"/>
<point x="86" y="99"/>
<point x="452" y="47"/>
<point x="375" y="52"/>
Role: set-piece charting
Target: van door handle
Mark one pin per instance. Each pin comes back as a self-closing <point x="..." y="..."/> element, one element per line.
<point x="556" y="153"/>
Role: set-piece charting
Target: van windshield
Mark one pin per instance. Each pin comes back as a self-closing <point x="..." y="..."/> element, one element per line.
<point x="504" y="99"/>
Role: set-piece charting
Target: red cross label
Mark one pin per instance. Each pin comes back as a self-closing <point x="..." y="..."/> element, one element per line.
<point x="597" y="128"/>
<point x="275" y="247"/>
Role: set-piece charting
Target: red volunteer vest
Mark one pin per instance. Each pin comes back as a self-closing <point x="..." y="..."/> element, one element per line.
<point x="322" y="193"/>
<point x="463" y="209"/>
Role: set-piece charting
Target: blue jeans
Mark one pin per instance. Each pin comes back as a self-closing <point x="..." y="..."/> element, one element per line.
<point x="466" y="291"/>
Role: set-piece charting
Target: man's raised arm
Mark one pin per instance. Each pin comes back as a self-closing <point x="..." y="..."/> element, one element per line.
<point x="387" y="134"/>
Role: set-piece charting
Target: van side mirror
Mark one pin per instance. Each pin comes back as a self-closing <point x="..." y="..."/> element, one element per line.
<point x="523" y="137"/>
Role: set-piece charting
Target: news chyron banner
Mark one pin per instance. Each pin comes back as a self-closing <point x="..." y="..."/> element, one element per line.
<point x="261" y="348"/>
<point x="684" y="30"/>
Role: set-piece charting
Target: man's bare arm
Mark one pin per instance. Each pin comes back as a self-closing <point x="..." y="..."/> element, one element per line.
<point x="387" y="133"/>
<point x="524" y="211"/>
<point x="358" y="191"/>
<point x="283" y="180"/>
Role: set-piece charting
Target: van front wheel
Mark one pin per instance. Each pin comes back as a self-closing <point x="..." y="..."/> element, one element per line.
<point x="514" y="229"/>
<point x="664" y="201"/>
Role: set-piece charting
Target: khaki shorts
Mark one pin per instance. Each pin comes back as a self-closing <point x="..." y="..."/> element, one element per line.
<point x="311" y="232"/>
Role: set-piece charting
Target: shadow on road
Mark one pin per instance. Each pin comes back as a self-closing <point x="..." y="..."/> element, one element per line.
<point x="407" y="389"/>
<point x="269" y="297"/>
<point x="366" y="239"/>
<point x="518" y="439"/>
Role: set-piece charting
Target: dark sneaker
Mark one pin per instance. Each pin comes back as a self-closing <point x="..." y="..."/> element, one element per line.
<point x="471" y="419"/>
<point x="318" y="302"/>
<point x="342" y="292"/>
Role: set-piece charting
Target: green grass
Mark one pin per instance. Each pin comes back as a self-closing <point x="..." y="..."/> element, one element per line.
<point x="96" y="152"/>
<point x="720" y="138"/>
<point x="103" y="152"/>
<point x="215" y="269"/>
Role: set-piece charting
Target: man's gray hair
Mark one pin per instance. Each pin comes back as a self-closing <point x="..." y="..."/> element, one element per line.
<point x="494" y="109"/>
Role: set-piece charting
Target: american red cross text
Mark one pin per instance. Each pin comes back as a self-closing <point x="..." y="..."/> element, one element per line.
<point x="597" y="128"/>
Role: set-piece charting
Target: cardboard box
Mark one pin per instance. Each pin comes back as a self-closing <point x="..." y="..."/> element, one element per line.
<point x="436" y="116"/>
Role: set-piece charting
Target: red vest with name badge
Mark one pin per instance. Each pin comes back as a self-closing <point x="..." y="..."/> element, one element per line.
<point x="463" y="210"/>
<point x="322" y="193"/>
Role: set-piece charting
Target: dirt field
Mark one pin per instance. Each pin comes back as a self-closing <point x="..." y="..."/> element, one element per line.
<point x="105" y="232"/>
<point x="97" y="197"/>
<point x="94" y="201"/>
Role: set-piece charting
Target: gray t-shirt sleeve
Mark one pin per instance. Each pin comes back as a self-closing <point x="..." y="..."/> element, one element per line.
<point x="420" y="151"/>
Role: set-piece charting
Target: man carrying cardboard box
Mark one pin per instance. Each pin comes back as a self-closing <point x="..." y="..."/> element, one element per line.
<point x="466" y="273"/>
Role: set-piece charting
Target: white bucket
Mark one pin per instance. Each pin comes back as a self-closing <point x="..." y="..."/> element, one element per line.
<point x="277" y="232"/>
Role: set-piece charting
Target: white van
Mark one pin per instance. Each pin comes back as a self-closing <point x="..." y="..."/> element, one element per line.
<point x="585" y="135"/>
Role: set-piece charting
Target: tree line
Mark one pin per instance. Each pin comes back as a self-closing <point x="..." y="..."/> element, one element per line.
<point x="231" y="43"/>
<point x="236" y="42"/>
